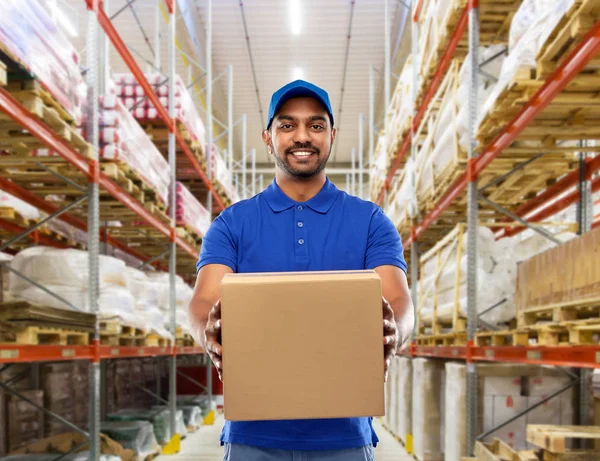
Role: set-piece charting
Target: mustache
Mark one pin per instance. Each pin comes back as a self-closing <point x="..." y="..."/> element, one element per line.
<point x="303" y="146"/>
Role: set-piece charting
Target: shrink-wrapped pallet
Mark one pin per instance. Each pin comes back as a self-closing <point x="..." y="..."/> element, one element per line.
<point x="427" y="409"/>
<point x="134" y="435"/>
<point x="132" y="95"/>
<point x="146" y="295"/>
<point x="65" y="272"/>
<point x="24" y="209"/>
<point x="531" y="26"/>
<point x="220" y="172"/>
<point x="189" y="211"/>
<point x="123" y="139"/>
<point x="29" y="33"/>
<point x="159" y="418"/>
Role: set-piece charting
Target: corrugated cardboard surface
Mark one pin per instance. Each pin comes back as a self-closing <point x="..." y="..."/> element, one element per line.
<point x="302" y="345"/>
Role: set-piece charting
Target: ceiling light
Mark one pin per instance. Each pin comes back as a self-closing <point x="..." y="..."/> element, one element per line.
<point x="295" y="17"/>
<point x="298" y="73"/>
<point x="59" y="16"/>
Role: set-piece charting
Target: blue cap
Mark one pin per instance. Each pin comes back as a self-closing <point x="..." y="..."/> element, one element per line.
<point x="297" y="89"/>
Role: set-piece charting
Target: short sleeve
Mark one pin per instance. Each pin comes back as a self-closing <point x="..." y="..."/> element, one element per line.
<point x="219" y="245"/>
<point x="384" y="247"/>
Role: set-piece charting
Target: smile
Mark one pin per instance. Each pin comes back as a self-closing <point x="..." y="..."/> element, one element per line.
<point x="302" y="153"/>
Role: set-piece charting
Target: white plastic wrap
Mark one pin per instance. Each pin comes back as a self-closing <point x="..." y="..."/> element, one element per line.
<point x="220" y="172"/>
<point x="426" y="409"/>
<point x="135" y="435"/>
<point x="28" y="31"/>
<point x="404" y="420"/>
<point x="496" y="281"/>
<point x="189" y="211"/>
<point x="24" y="209"/>
<point x="123" y="139"/>
<point x="51" y="266"/>
<point x="531" y="26"/>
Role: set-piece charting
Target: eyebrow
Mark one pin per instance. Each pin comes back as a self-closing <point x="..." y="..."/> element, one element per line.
<point x="312" y="118"/>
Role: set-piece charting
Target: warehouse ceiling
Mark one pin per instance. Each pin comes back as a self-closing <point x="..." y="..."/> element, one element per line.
<point x="268" y="43"/>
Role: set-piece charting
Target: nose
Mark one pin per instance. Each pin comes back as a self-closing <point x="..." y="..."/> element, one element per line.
<point x="301" y="135"/>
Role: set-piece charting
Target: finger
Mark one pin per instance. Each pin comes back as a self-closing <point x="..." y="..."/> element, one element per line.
<point x="387" y="364"/>
<point x="389" y="327"/>
<point x="388" y="312"/>
<point x="218" y="324"/>
<point x="214" y="348"/>
<point x="389" y="340"/>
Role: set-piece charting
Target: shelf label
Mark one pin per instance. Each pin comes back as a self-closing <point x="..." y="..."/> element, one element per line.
<point x="455" y="352"/>
<point x="115" y="352"/>
<point x="163" y="350"/>
<point x="489" y="354"/>
<point x="534" y="355"/>
<point x="142" y="351"/>
<point x="597" y="357"/>
<point x="68" y="353"/>
<point x="9" y="354"/>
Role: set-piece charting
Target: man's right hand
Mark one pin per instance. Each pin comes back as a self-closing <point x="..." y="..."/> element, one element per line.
<point x="212" y="338"/>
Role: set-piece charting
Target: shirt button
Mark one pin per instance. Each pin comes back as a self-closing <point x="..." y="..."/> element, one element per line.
<point x="300" y="224"/>
<point x="301" y="241"/>
<point x="300" y="208"/>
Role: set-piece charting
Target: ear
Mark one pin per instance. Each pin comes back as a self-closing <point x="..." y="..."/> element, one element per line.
<point x="333" y="135"/>
<point x="266" y="137"/>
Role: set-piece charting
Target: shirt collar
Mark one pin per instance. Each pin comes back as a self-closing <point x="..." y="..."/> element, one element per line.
<point x="320" y="203"/>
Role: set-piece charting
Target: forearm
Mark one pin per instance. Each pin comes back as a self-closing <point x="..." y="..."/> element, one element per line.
<point x="405" y="317"/>
<point x="198" y="317"/>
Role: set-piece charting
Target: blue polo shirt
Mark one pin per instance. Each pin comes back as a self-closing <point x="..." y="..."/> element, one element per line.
<point x="272" y="233"/>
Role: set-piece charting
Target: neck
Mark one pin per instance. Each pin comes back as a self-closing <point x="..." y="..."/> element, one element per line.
<point x="300" y="190"/>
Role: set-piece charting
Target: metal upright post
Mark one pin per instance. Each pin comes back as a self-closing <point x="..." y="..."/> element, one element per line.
<point x="244" y="179"/>
<point x="386" y="77"/>
<point x="472" y="212"/>
<point x="172" y="245"/>
<point x="209" y="129"/>
<point x="348" y="183"/>
<point x="105" y="53"/>
<point x="253" y="172"/>
<point x="157" y="20"/>
<point x="361" y="152"/>
<point x="230" y="117"/>
<point x="93" y="227"/>
<point x="414" y="248"/>
<point x="585" y="216"/>
<point x="262" y="182"/>
<point x="371" y="121"/>
<point x="353" y="171"/>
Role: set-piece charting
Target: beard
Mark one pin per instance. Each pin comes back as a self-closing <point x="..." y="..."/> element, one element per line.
<point x="284" y="164"/>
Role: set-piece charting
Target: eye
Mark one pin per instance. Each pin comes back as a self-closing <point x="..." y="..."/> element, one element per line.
<point x="286" y="126"/>
<point x="318" y="127"/>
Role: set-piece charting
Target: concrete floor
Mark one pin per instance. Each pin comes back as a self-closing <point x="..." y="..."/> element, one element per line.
<point x="204" y="445"/>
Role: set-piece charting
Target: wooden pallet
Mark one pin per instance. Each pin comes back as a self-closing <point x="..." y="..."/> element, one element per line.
<point x="553" y="439"/>
<point x="444" y="339"/>
<point x="35" y="335"/>
<point x="565" y="36"/>
<point x="504" y="338"/>
<point x="123" y="173"/>
<point x="153" y="340"/>
<point x="40" y="103"/>
<point x="564" y="312"/>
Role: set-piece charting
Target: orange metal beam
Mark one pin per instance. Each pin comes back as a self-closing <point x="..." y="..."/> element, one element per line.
<point x="433" y="87"/>
<point x="587" y="48"/>
<point x="19" y="353"/>
<point x="418" y="10"/>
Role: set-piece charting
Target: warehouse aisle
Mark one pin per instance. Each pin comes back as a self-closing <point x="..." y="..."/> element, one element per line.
<point x="204" y="445"/>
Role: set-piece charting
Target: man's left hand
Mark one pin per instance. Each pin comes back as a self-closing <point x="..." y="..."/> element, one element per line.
<point x="391" y="334"/>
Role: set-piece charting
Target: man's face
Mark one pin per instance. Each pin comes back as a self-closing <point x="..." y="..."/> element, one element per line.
<point x="301" y="137"/>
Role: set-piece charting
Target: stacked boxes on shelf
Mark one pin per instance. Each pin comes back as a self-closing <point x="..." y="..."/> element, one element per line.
<point x="25" y="424"/>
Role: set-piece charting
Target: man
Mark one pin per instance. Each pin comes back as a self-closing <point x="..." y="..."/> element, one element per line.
<point x="301" y="222"/>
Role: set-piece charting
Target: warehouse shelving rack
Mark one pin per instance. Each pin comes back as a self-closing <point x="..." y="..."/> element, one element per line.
<point x="558" y="197"/>
<point x="96" y="353"/>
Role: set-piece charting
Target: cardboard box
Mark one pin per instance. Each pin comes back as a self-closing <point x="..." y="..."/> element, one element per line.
<point x="302" y="345"/>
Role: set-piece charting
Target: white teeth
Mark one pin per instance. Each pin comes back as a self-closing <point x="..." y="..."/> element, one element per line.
<point x="302" y="154"/>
